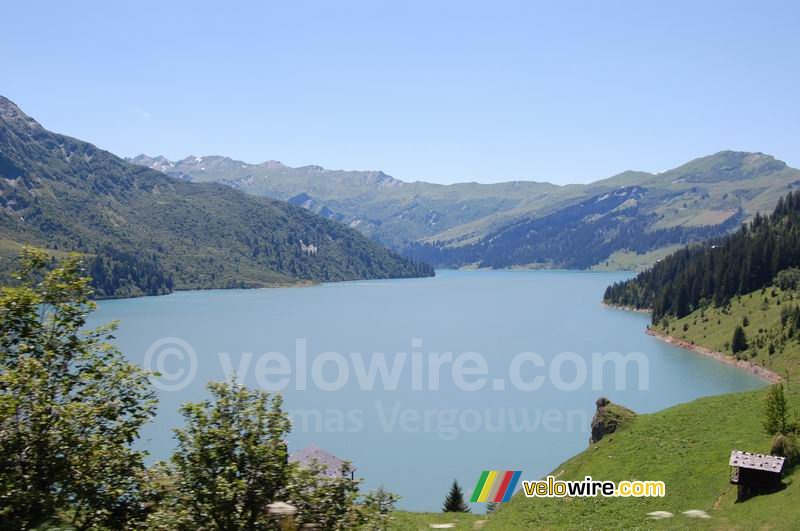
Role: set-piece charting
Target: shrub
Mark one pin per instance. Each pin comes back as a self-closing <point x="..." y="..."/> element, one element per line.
<point x="776" y="412"/>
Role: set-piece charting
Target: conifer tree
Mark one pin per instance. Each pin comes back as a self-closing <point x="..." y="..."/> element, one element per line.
<point x="739" y="341"/>
<point x="776" y="411"/>
<point x="454" y="502"/>
<point x="720" y="269"/>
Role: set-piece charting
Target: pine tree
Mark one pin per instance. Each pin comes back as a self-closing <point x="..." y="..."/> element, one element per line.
<point x="720" y="269"/>
<point x="776" y="412"/>
<point x="681" y="306"/>
<point x="739" y="341"/>
<point x="454" y="503"/>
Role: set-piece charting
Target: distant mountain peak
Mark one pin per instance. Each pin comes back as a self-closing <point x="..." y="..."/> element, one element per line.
<point x="11" y="113"/>
<point x="725" y="166"/>
<point x="9" y="108"/>
<point x="158" y="163"/>
<point x="225" y="169"/>
<point x="743" y="157"/>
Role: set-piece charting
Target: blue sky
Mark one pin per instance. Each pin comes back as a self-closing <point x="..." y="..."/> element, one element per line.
<point x="437" y="91"/>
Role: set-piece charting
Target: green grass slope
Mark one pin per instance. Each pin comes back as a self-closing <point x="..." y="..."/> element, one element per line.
<point x="632" y="261"/>
<point x="713" y="328"/>
<point x="686" y="446"/>
<point x="408" y="521"/>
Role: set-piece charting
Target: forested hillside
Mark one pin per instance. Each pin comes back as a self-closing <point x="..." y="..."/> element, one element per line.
<point x="717" y="270"/>
<point x="520" y="223"/>
<point x="145" y="233"/>
<point x="389" y="210"/>
<point x="574" y="237"/>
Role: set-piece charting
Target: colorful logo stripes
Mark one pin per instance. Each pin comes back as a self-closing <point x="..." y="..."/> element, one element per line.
<point x="496" y="486"/>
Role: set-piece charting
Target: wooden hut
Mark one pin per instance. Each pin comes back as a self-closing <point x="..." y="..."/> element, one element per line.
<point x="755" y="473"/>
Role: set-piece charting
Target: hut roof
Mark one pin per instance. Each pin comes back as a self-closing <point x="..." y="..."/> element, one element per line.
<point x="768" y="463"/>
<point x="311" y="453"/>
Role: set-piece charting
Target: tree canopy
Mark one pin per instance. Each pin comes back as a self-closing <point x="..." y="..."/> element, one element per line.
<point x="719" y="269"/>
<point x="70" y="406"/>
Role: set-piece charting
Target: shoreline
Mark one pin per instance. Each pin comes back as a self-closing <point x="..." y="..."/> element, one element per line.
<point x="276" y="285"/>
<point x="532" y="267"/>
<point x="753" y="368"/>
<point x="625" y="308"/>
<point x="300" y="283"/>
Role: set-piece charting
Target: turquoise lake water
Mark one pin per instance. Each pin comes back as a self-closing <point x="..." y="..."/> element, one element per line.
<point x="416" y="434"/>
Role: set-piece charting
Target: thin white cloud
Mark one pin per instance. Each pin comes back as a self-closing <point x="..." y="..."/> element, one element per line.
<point x="140" y="112"/>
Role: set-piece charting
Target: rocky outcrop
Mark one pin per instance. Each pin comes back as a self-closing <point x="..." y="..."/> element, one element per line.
<point x="609" y="418"/>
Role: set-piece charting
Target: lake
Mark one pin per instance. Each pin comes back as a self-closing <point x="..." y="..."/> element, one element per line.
<point x="516" y="392"/>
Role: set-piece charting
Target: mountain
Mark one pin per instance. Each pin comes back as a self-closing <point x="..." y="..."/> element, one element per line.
<point x="631" y="218"/>
<point x="147" y="233"/>
<point x="576" y="236"/>
<point x="717" y="270"/>
<point x="386" y="209"/>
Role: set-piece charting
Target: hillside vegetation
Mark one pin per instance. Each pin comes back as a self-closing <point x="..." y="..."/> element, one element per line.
<point x="520" y="223"/>
<point x="717" y="270"/>
<point x="147" y="233"/>
<point x="687" y="446"/>
<point x="575" y="237"/>
<point x="737" y="295"/>
<point x="389" y="210"/>
<point x="769" y="319"/>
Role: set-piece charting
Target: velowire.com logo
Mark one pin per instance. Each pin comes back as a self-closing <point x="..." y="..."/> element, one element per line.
<point x="494" y="486"/>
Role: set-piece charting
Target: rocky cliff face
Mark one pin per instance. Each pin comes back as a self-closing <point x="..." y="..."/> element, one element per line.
<point x="609" y="418"/>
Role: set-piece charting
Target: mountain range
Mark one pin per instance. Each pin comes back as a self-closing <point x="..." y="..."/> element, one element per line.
<point x="147" y="233"/>
<point x="627" y="221"/>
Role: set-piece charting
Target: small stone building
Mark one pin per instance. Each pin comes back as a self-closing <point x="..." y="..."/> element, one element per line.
<point x="313" y="453"/>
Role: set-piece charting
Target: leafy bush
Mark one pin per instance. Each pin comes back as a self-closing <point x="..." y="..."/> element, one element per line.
<point x="788" y="279"/>
<point x="786" y="446"/>
<point x="70" y="407"/>
<point x="776" y="412"/>
<point x="379" y="504"/>
<point x="231" y="459"/>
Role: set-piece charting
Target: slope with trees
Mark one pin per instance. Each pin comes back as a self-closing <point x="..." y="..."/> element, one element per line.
<point x="716" y="271"/>
<point x="71" y="411"/>
<point x="519" y="222"/>
<point x="152" y="233"/>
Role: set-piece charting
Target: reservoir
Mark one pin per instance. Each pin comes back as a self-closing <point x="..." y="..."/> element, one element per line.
<point x="419" y="381"/>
